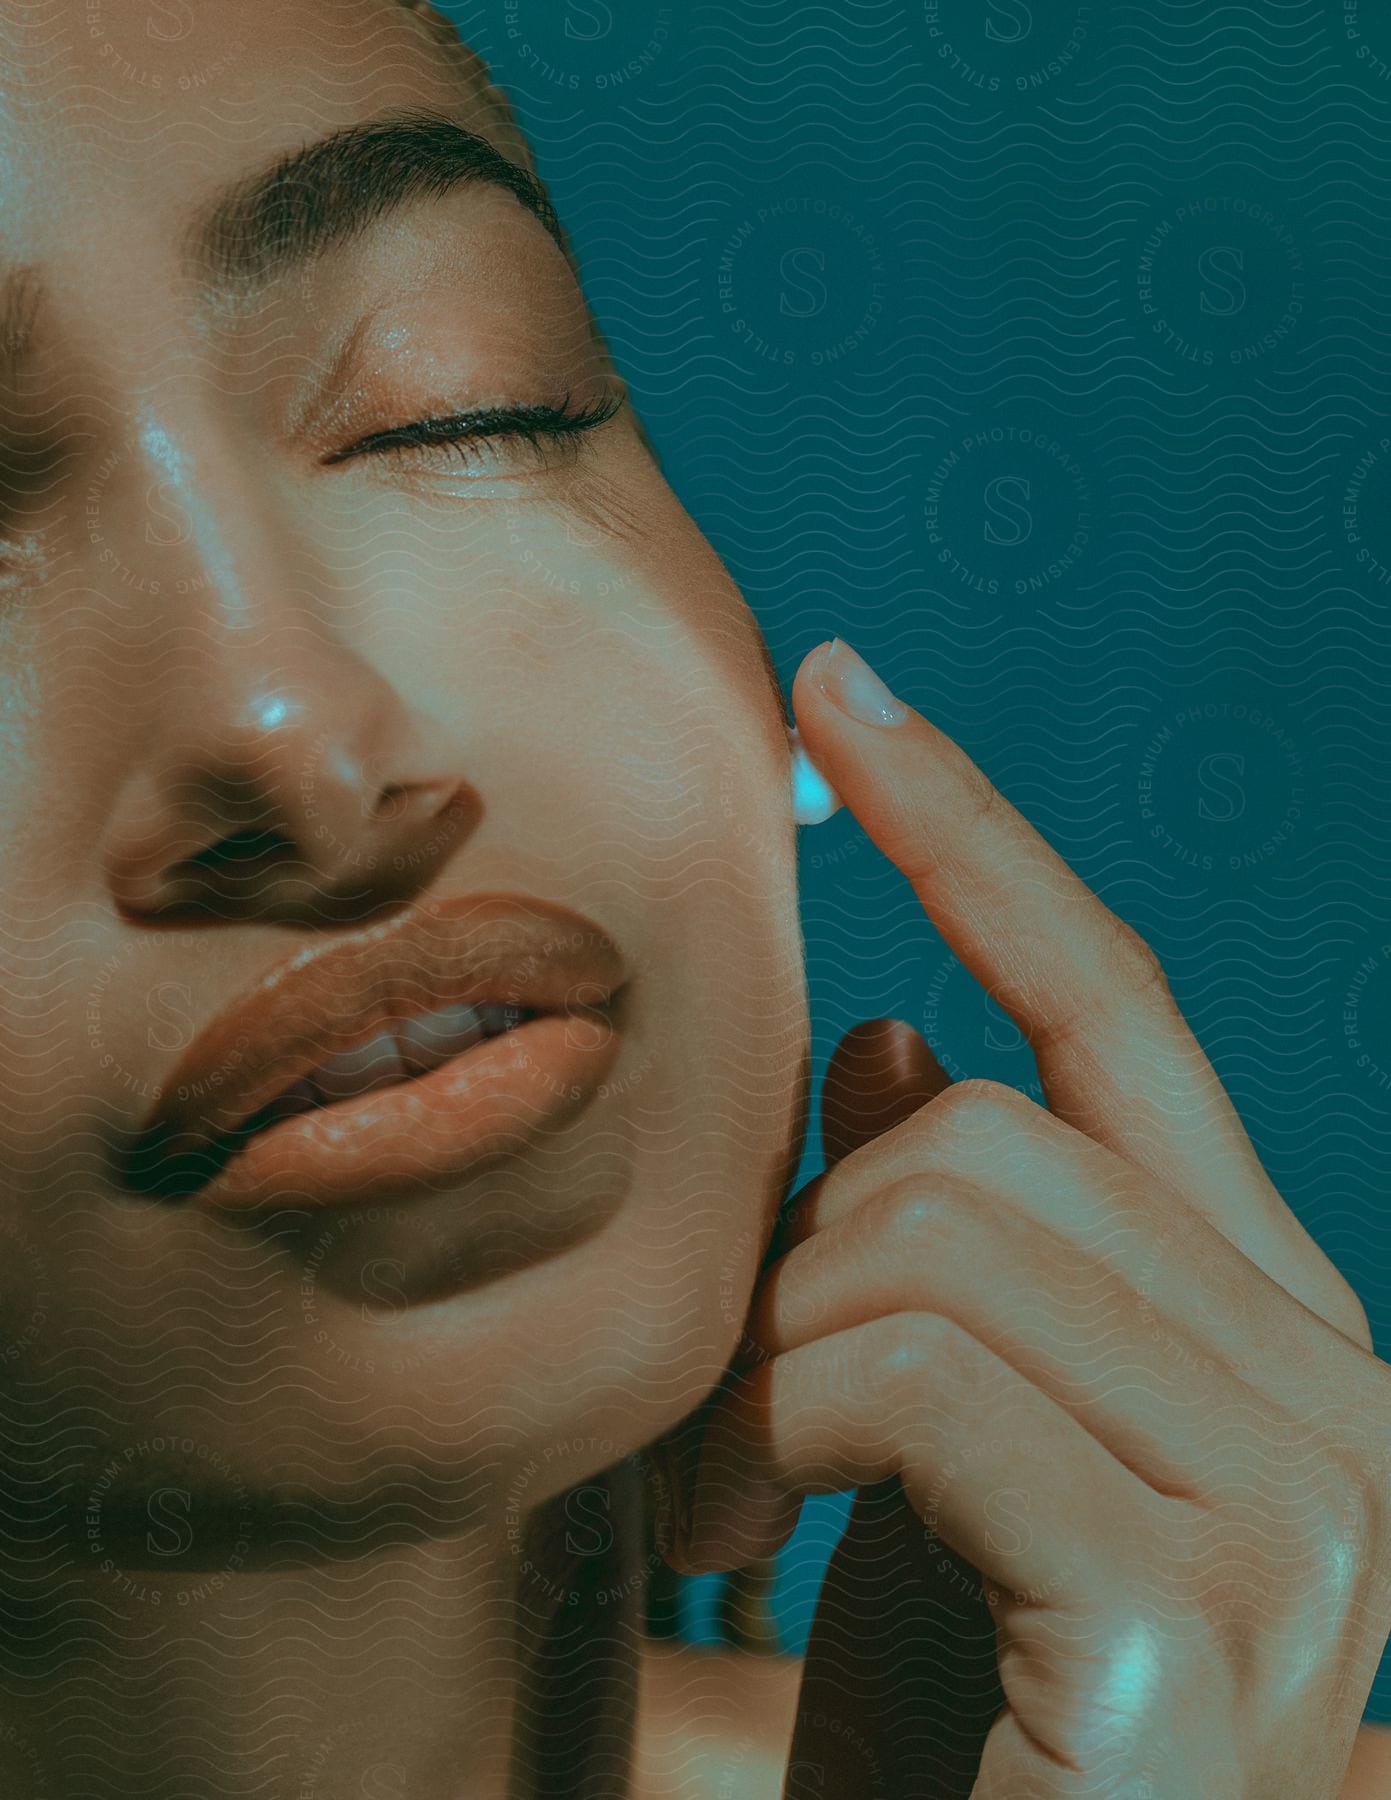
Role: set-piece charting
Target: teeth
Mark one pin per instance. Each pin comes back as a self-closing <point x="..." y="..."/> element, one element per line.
<point x="352" y="1073"/>
<point x="432" y="1038"/>
<point x="414" y="1047"/>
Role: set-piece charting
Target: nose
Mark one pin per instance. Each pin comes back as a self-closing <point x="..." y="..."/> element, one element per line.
<point x="281" y="778"/>
<point x="287" y="780"/>
<point x="298" y="798"/>
<point x="279" y="774"/>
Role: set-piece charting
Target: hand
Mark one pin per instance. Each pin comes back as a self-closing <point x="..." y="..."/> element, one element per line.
<point x="1131" y="1406"/>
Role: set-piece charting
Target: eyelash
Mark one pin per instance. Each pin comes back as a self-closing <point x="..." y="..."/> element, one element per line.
<point x="459" y="435"/>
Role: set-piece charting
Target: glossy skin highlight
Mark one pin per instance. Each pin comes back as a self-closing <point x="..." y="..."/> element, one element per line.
<point x="220" y="631"/>
<point x="281" y="1490"/>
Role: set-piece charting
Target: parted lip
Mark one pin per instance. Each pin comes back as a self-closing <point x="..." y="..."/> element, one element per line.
<point x="480" y="950"/>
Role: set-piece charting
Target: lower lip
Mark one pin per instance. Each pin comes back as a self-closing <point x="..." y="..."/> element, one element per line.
<point x="423" y="1134"/>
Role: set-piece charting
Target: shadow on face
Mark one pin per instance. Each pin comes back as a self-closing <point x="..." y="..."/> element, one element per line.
<point x="348" y="622"/>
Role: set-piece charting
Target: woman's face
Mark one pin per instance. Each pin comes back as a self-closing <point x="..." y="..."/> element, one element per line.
<point x="270" y="676"/>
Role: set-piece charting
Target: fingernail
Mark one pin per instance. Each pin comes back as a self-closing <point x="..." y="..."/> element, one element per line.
<point x="848" y="681"/>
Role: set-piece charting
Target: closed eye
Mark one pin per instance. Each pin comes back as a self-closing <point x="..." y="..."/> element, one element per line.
<point x="461" y="437"/>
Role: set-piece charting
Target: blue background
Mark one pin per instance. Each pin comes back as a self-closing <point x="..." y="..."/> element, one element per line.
<point x="1042" y="350"/>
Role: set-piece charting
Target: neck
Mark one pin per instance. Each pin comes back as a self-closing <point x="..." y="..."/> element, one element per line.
<point x="434" y="1670"/>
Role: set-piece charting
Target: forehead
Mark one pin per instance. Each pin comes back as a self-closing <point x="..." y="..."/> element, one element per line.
<point x="130" y="110"/>
<point x="121" y="146"/>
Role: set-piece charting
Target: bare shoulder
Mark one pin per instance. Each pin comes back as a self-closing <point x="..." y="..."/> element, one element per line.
<point x="713" y="1724"/>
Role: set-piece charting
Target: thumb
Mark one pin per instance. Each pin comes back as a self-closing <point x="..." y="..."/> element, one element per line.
<point x="899" y="1684"/>
<point x="880" y="1073"/>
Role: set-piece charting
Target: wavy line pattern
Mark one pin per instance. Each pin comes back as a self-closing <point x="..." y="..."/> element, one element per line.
<point x="1040" y="351"/>
<point x="1043" y="353"/>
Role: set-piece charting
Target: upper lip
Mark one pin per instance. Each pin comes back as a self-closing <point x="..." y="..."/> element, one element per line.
<point x="484" y="949"/>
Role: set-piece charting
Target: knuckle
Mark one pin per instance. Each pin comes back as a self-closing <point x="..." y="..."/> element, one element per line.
<point x="1353" y="1522"/>
<point x="980" y="795"/>
<point x="1328" y="1553"/>
<point x="974" y="798"/>
<point x="1135" y="967"/>
<point x="1283" y="1549"/>
<point x="907" y="1354"/>
<point x="977" y="1106"/>
<point x="1345" y="1310"/>
<point x="1125" y="972"/>
<point x="915" y="1218"/>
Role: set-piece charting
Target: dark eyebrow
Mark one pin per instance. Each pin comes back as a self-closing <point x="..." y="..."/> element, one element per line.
<point x="335" y="188"/>
<point x="307" y="201"/>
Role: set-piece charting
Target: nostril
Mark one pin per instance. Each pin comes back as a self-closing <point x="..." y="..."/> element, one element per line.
<point x="226" y="874"/>
<point x="235" y="852"/>
<point x="391" y="803"/>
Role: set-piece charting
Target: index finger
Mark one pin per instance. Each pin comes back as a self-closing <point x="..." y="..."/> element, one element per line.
<point x="1115" y="1056"/>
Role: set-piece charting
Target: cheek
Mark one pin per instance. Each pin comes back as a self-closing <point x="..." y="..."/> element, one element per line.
<point x="647" y="1319"/>
<point x="736" y="1045"/>
<point x="711" y="1093"/>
